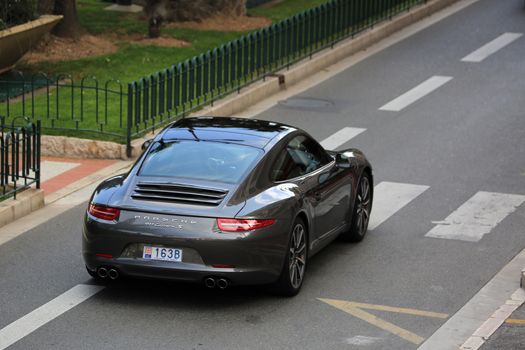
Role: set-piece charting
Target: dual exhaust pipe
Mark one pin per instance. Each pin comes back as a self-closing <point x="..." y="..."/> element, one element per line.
<point x="108" y="272"/>
<point x="212" y="282"/>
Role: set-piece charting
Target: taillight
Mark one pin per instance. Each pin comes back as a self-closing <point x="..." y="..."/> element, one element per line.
<point x="239" y="225"/>
<point x="104" y="213"/>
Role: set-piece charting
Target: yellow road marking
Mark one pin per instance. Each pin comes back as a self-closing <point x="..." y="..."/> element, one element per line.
<point x="356" y="310"/>
<point x="399" y="310"/>
<point x="514" y="321"/>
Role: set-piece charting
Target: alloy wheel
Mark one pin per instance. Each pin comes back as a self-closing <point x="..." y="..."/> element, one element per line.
<point x="297" y="258"/>
<point x="363" y="205"/>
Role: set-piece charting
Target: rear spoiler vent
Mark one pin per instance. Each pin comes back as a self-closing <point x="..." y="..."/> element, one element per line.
<point x="175" y="193"/>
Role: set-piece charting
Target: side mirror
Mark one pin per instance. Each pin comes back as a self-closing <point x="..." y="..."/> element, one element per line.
<point x="343" y="160"/>
<point x="146" y="144"/>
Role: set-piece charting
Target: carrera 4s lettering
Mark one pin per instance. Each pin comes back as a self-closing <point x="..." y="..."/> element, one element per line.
<point x="156" y="221"/>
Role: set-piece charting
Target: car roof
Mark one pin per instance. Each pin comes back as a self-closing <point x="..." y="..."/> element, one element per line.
<point x="250" y="132"/>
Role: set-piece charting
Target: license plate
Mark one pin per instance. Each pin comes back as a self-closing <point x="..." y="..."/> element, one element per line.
<point x="162" y="254"/>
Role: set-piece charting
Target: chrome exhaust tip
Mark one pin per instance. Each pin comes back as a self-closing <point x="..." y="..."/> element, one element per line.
<point x="102" y="272"/>
<point x="223" y="283"/>
<point x="113" y="274"/>
<point x="209" y="282"/>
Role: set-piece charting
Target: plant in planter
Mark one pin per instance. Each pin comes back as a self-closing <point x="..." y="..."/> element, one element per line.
<point x="15" y="12"/>
<point x="20" y="29"/>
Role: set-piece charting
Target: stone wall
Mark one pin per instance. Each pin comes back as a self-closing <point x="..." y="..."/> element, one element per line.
<point x="71" y="147"/>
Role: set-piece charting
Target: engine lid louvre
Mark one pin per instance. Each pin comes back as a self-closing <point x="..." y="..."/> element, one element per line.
<point x="178" y="193"/>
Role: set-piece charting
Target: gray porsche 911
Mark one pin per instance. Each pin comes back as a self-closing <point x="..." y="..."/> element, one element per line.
<point x="227" y="201"/>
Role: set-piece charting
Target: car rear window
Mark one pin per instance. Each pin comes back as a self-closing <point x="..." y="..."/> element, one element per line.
<point x="202" y="160"/>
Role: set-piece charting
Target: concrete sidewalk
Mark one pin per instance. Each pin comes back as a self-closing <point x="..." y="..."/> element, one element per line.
<point x="59" y="178"/>
<point x="59" y="173"/>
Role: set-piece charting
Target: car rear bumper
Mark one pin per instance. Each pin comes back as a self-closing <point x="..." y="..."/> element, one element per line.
<point x="248" y="258"/>
<point x="182" y="272"/>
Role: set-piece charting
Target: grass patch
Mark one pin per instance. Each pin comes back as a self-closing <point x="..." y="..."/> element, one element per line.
<point x="133" y="61"/>
<point x="95" y="20"/>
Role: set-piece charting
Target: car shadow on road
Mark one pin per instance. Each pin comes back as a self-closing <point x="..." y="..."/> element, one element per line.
<point x="188" y="296"/>
<point x="181" y="296"/>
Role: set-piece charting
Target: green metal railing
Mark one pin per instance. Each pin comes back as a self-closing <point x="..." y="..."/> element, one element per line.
<point x="65" y="106"/>
<point x="19" y="156"/>
<point x="125" y="112"/>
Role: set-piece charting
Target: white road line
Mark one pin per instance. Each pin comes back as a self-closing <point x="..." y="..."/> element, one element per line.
<point x="46" y="313"/>
<point x="390" y="197"/>
<point x="477" y="216"/>
<point x="50" y="169"/>
<point x="420" y="91"/>
<point x="491" y="47"/>
<point x="341" y="137"/>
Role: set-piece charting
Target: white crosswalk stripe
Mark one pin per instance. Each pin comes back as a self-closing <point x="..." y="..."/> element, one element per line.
<point x="389" y="198"/>
<point x="340" y="138"/>
<point x="477" y="216"/>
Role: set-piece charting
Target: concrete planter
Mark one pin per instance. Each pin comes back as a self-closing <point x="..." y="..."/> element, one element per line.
<point x="17" y="40"/>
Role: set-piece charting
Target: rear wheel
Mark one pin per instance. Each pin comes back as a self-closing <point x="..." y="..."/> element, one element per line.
<point x="361" y="212"/>
<point x="292" y="274"/>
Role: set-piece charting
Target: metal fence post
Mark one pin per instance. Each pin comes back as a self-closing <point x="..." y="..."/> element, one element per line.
<point x="38" y="152"/>
<point x="130" y="120"/>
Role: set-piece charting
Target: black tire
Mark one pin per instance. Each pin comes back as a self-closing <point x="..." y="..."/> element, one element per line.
<point x="294" y="268"/>
<point x="361" y="211"/>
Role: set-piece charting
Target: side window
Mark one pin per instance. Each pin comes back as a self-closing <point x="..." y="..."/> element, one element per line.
<point x="301" y="156"/>
<point x="284" y="167"/>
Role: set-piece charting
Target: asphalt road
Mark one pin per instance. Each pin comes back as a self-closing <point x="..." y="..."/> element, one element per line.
<point x="463" y="138"/>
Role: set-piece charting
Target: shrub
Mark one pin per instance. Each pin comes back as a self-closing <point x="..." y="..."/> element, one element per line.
<point x="14" y="12"/>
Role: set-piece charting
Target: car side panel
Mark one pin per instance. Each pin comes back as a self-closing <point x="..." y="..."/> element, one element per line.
<point x="332" y="200"/>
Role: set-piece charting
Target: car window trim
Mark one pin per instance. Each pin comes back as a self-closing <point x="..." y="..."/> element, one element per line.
<point x="319" y="170"/>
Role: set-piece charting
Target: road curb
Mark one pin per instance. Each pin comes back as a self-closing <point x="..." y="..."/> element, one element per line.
<point x="491" y="325"/>
<point x="480" y="317"/>
<point x="26" y="202"/>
